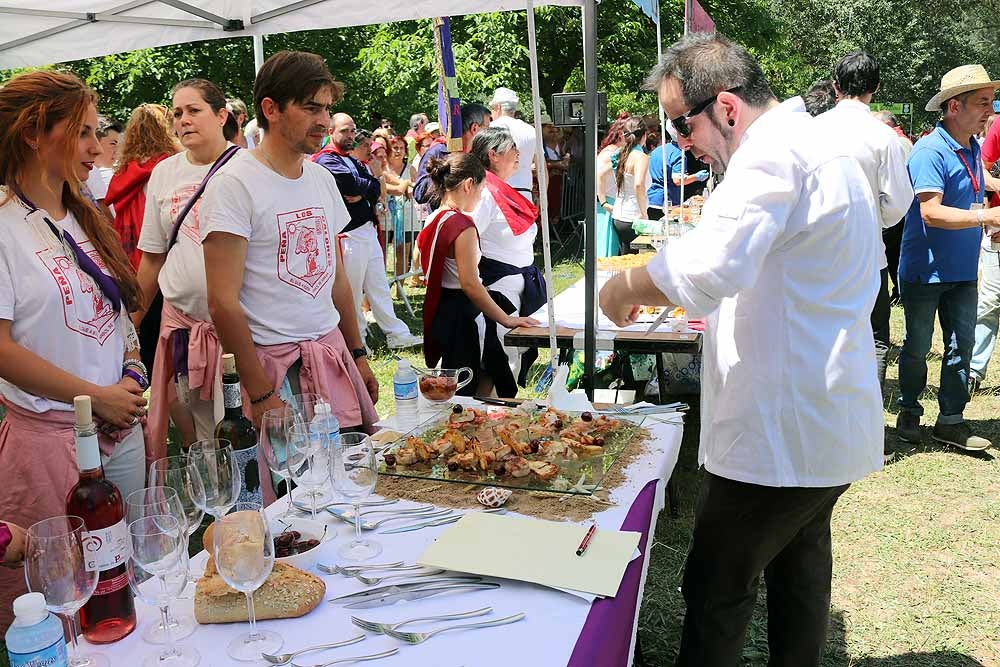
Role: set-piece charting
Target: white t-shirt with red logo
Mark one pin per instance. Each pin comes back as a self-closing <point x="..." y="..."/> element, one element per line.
<point x="291" y="226"/>
<point x="182" y="278"/>
<point x="56" y="310"/>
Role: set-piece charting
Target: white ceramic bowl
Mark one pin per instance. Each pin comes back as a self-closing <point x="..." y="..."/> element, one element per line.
<point x="310" y="530"/>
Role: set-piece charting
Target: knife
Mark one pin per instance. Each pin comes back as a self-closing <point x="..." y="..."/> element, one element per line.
<point x="408" y="585"/>
<point x="659" y="320"/>
<point x="438" y="522"/>
<point x="506" y="402"/>
<point x="392" y="598"/>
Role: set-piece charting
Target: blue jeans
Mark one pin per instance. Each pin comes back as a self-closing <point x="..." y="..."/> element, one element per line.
<point x="955" y="306"/>
<point x="987" y="314"/>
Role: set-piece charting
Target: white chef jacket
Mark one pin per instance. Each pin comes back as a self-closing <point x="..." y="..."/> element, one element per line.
<point x="878" y="149"/>
<point x="783" y="264"/>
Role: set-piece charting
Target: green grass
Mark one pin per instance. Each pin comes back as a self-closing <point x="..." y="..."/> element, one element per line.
<point x="916" y="578"/>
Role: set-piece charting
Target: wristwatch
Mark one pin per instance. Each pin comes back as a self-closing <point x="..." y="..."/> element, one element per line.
<point x="359" y="352"/>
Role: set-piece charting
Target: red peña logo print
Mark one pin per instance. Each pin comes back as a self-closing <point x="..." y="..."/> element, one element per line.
<point x="85" y="309"/>
<point x="305" y="251"/>
<point x="191" y="227"/>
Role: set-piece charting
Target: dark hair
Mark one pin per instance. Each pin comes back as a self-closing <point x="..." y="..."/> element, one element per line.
<point x="474" y="113"/>
<point x="210" y="92"/>
<point x="106" y="126"/>
<point x="707" y="64"/>
<point x="633" y="131"/>
<point x="447" y="173"/>
<point x="496" y="138"/>
<point x="231" y="128"/>
<point x="291" y="76"/>
<point x="820" y="98"/>
<point x="857" y="74"/>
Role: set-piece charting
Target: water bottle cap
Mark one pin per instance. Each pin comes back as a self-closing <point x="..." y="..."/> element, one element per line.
<point x="402" y="364"/>
<point x="30" y="608"/>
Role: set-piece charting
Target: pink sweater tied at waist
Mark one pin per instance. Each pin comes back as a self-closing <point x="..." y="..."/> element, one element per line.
<point x="328" y="369"/>
<point x="204" y="368"/>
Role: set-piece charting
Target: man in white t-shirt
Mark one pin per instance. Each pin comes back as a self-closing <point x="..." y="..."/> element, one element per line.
<point x="504" y="106"/>
<point x="269" y="224"/>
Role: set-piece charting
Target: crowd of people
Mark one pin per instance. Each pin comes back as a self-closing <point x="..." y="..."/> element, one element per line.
<point x="134" y="255"/>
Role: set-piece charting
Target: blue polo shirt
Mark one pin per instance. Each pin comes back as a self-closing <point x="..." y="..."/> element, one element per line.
<point x="673" y="161"/>
<point x="932" y="254"/>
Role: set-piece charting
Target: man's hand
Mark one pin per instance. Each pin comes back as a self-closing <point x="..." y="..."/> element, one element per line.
<point x="14" y="555"/>
<point x="617" y="303"/>
<point x="371" y="383"/>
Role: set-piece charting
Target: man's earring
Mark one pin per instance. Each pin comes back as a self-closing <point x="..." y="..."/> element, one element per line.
<point x="732" y="123"/>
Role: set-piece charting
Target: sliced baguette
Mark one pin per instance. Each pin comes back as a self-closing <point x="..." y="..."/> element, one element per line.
<point x="288" y="593"/>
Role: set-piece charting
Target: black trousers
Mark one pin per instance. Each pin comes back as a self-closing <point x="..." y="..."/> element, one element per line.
<point x="625" y="236"/>
<point x="881" y="311"/>
<point x="740" y="531"/>
<point x="893" y="239"/>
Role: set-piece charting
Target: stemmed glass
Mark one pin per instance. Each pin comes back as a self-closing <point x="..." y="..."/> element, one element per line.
<point x="178" y="473"/>
<point x="308" y="461"/>
<point x="158" y="575"/>
<point x="273" y="434"/>
<point x="244" y="557"/>
<point x="219" y="473"/>
<point x="55" y="565"/>
<point x="354" y="473"/>
<point x="155" y="501"/>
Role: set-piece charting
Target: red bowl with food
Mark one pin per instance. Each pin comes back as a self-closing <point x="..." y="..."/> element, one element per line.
<point x="438" y="385"/>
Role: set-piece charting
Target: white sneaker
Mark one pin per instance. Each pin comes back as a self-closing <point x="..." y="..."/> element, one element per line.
<point x="405" y="340"/>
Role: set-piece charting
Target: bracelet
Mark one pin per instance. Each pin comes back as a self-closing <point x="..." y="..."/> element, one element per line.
<point x="140" y="379"/>
<point x="137" y="365"/>
<point x="262" y="398"/>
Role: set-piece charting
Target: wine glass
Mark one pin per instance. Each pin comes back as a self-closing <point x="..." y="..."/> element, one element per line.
<point x="244" y="557"/>
<point x="219" y="473"/>
<point x="55" y="565"/>
<point x="308" y="461"/>
<point x="354" y="473"/>
<point x="178" y="473"/>
<point x="153" y="501"/>
<point x="158" y="575"/>
<point x="273" y="434"/>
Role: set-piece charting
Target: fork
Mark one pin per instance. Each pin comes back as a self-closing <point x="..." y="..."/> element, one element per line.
<point x="351" y="570"/>
<point x="420" y="637"/>
<point x="369" y="525"/>
<point x="357" y="658"/>
<point x="663" y="420"/>
<point x="371" y="581"/>
<point x="380" y="628"/>
<point x="412" y="510"/>
<point x="285" y="658"/>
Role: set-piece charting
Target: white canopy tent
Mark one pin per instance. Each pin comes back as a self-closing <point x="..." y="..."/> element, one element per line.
<point x="63" y="30"/>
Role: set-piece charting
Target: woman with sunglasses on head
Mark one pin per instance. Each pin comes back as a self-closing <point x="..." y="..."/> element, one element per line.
<point x="607" y="240"/>
<point x="187" y="377"/>
<point x="630" y="167"/>
<point x="66" y="289"/>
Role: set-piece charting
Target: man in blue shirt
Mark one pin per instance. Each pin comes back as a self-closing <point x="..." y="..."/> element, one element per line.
<point x="475" y="117"/>
<point x="939" y="255"/>
<point x="670" y="155"/>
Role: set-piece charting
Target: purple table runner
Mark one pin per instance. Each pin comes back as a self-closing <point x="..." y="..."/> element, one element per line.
<point x="606" y="637"/>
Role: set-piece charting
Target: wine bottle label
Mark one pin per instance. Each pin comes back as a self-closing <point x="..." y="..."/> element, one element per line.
<point x="107" y="548"/>
<point x="249" y="474"/>
<point x="231" y="396"/>
<point x="112" y="585"/>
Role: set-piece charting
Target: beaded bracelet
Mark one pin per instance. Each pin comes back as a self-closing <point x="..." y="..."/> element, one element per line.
<point x="137" y="365"/>
<point x="261" y="399"/>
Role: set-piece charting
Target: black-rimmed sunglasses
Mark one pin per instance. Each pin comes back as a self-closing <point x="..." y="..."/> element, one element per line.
<point x="681" y="122"/>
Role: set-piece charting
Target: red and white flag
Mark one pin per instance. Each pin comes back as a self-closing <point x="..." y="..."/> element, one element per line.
<point x="698" y="19"/>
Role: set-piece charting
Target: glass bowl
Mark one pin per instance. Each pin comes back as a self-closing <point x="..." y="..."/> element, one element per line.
<point x="439" y="385"/>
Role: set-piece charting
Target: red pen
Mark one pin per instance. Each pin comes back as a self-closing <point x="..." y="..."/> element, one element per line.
<point x="586" y="539"/>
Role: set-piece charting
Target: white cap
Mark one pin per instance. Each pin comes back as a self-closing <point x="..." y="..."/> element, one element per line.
<point x="432" y="127"/>
<point x="402" y="363"/>
<point x="30" y="608"/>
<point x="504" y="96"/>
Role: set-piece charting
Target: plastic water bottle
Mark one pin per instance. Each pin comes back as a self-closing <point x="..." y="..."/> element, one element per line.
<point x="404" y="384"/>
<point x="324" y="421"/>
<point x="35" y="637"/>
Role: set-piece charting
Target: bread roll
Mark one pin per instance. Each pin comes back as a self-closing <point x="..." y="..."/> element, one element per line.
<point x="288" y="592"/>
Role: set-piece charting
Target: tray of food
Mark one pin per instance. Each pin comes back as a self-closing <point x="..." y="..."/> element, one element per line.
<point x="527" y="447"/>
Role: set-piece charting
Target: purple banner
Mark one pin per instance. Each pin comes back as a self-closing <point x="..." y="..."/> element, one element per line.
<point x="449" y="103"/>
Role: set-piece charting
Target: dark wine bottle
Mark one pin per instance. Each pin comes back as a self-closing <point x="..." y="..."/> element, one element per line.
<point x="109" y="614"/>
<point x="239" y="431"/>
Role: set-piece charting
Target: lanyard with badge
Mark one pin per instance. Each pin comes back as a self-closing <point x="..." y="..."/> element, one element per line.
<point x="978" y="206"/>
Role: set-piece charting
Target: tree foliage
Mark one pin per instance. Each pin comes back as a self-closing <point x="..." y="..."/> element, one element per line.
<point x="389" y="69"/>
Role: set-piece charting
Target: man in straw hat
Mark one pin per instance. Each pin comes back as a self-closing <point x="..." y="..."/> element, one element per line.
<point x="940" y="254"/>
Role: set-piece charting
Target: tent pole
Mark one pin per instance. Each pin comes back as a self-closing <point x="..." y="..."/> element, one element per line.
<point x="543" y="184"/>
<point x="258" y="52"/>
<point x="590" y="190"/>
<point x="659" y="108"/>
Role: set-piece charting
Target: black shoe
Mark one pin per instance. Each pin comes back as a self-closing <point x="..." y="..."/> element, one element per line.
<point x="974" y="384"/>
<point x="908" y="427"/>
<point x="960" y="435"/>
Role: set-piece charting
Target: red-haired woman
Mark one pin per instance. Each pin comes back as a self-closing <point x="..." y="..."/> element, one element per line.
<point x="66" y="288"/>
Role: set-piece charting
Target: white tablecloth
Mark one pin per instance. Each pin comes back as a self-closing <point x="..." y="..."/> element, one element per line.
<point x="544" y="639"/>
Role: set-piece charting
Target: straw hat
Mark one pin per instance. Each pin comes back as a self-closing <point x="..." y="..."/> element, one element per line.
<point x="961" y="80"/>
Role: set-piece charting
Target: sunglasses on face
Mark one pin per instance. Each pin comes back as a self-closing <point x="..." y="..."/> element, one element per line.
<point x="681" y="122"/>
